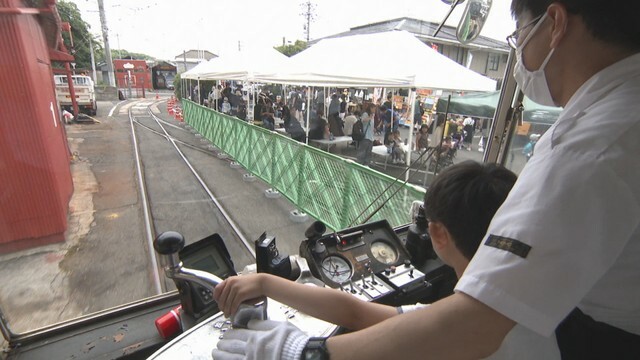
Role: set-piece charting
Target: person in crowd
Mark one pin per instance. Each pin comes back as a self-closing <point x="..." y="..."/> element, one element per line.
<point x="349" y="120"/>
<point x="570" y="227"/>
<point x="299" y="104"/>
<point x="320" y="99"/>
<point x="422" y="138"/>
<point x="389" y="103"/>
<point x="418" y="112"/>
<point x="446" y="147"/>
<point x="195" y="95"/>
<point x="227" y="92"/>
<point x="437" y="130"/>
<point x="460" y="203"/>
<point x="268" y="118"/>
<point x="335" y="124"/>
<point x="365" y="147"/>
<point x="285" y="113"/>
<point x="468" y="127"/>
<point x="319" y="129"/>
<point x="397" y="152"/>
<point x="385" y="123"/>
<point x="293" y="127"/>
<point x="452" y="127"/>
<point x="226" y="106"/>
<point x="218" y="98"/>
<point x="343" y="107"/>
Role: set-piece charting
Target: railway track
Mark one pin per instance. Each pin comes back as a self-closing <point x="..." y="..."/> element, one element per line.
<point x="175" y="189"/>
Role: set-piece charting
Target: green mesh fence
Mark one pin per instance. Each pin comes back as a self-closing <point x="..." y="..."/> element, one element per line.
<point x="327" y="187"/>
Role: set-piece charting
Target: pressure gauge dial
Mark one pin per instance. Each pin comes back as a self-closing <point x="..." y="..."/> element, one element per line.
<point x="384" y="252"/>
<point x="337" y="269"/>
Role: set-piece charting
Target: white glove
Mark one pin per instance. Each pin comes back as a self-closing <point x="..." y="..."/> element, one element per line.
<point x="262" y="340"/>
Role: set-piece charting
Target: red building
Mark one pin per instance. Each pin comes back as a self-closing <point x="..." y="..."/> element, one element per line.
<point x="35" y="179"/>
<point x="135" y="71"/>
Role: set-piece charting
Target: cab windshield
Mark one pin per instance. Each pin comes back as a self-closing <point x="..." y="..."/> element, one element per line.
<point x="83" y="197"/>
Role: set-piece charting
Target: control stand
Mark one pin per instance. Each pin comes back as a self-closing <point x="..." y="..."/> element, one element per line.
<point x="369" y="261"/>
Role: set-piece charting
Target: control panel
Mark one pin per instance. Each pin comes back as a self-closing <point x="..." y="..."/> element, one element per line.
<point x="368" y="261"/>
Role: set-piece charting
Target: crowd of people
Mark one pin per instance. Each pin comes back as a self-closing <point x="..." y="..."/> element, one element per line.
<point x="289" y="111"/>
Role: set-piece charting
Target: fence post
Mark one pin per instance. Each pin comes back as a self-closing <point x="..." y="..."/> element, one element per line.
<point x="302" y="164"/>
<point x="346" y="200"/>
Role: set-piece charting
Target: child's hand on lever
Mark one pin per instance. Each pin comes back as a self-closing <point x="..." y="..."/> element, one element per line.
<point x="235" y="290"/>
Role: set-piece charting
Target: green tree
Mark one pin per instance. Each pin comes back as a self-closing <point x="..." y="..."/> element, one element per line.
<point x="125" y="54"/>
<point x="177" y="87"/>
<point x="82" y="38"/>
<point x="292" y="49"/>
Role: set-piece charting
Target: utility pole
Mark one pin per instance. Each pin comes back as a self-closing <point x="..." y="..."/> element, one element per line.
<point x="309" y="14"/>
<point x="93" y="60"/>
<point x="105" y="38"/>
<point x="184" y="59"/>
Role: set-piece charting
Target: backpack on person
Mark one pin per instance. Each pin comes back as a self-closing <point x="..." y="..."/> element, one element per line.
<point x="357" y="132"/>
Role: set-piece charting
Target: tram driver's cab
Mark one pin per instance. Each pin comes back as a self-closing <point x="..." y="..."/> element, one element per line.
<point x="370" y="262"/>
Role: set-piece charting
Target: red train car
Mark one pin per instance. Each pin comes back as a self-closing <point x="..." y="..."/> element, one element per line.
<point x="35" y="175"/>
<point x="132" y="72"/>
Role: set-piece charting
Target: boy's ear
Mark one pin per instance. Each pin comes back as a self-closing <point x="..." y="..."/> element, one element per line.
<point x="439" y="235"/>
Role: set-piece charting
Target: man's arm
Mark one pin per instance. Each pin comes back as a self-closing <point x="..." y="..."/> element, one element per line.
<point x="457" y="327"/>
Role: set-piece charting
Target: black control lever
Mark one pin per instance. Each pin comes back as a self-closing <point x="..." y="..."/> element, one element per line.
<point x="195" y="301"/>
<point x="169" y="244"/>
<point x="270" y="260"/>
<point x="313" y="233"/>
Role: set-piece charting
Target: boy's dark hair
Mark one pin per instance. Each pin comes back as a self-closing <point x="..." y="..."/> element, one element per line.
<point x="464" y="197"/>
<point x="612" y="21"/>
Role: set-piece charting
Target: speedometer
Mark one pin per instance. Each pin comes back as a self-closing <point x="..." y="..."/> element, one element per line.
<point x="337" y="269"/>
<point x="384" y="252"/>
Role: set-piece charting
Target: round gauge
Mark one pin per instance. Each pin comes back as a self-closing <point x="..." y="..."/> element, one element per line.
<point x="336" y="269"/>
<point x="384" y="252"/>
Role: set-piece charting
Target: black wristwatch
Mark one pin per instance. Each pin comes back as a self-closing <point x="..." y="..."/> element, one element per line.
<point x="316" y="349"/>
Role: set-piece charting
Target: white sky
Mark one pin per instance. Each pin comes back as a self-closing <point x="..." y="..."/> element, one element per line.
<point x="163" y="28"/>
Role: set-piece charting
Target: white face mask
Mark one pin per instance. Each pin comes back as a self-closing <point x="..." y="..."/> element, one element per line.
<point x="533" y="83"/>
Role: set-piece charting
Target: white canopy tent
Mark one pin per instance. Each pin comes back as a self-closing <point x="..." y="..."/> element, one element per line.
<point x="240" y="65"/>
<point x="389" y="59"/>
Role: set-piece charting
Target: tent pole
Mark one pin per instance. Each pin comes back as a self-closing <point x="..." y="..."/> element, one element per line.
<point x="412" y="96"/>
<point x="309" y="90"/>
<point x="198" y="96"/>
<point x="324" y="103"/>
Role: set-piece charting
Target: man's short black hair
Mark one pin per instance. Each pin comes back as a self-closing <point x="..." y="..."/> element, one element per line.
<point x="612" y="21"/>
<point x="464" y="197"/>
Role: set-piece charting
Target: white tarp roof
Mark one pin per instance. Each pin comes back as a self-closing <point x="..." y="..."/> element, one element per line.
<point x="239" y="65"/>
<point x="196" y="69"/>
<point x="388" y="59"/>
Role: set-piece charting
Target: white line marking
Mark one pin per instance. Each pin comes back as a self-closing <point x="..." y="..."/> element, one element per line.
<point x="114" y="108"/>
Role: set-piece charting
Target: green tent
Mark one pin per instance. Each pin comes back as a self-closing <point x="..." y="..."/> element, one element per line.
<point x="484" y="105"/>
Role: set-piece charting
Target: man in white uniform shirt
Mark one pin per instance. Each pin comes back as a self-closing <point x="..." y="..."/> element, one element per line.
<point x="563" y="251"/>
